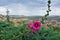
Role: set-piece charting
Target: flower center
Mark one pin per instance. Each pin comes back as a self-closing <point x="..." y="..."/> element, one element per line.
<point x="36" y="25"/>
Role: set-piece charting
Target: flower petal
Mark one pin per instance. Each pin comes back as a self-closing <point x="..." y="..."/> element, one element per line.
<point x="38" y="25"/>
<point x="30" y="25"/>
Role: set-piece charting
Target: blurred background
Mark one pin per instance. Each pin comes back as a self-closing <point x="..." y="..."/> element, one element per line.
<point x="29" y="10"/>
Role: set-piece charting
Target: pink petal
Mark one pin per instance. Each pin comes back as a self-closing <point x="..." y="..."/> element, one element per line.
<point x="30" y="25"/>
<point x="39" y="25"/>
<point x="34" y="31"/>
<point x="31" y="32"/>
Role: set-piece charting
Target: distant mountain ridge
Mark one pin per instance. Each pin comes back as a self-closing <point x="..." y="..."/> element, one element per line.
<point x="22" y="16"/>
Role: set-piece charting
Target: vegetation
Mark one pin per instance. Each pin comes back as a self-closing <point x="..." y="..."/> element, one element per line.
<point x="9" y="32"/>
<point x="48" y="11"/>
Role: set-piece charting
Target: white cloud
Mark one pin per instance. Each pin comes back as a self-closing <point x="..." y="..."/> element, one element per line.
<point x="3" y="10"/>
<point x="55" y="11"/>
<point x="19" y="9"/>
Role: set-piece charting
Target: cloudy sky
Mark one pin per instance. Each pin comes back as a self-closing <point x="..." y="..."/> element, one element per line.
<point x="29" y="7"/>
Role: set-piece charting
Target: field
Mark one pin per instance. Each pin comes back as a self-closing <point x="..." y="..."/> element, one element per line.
<point x="8" y="31"/>
<point x="29" y="20"/>
<point x="17" y="28"/>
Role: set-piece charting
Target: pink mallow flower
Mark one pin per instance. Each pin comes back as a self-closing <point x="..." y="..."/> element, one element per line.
<point x="32" y="31"/>
<point x="30" y="25"/>
<point x="36" y="25"/>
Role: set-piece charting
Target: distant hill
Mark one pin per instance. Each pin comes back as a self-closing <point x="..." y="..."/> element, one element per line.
<point x="54" y="17"/>
<point x="22" y="16"/>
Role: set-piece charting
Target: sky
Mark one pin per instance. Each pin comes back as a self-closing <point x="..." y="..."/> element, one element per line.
<point x="29" y="7"/>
